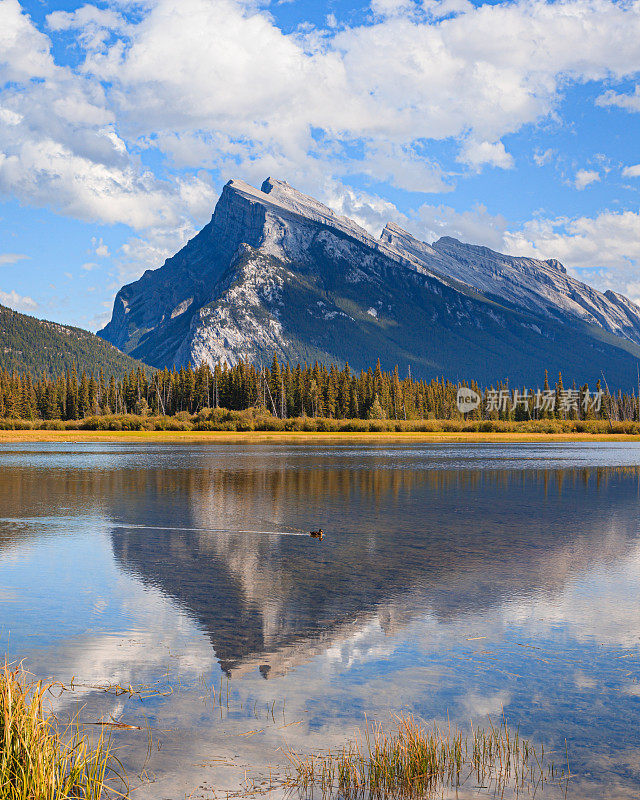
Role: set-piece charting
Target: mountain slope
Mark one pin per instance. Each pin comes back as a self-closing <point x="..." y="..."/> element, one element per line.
<point x="32" y="345"/>
<point x="276" y="271"/>
<point x="538" y="286"/>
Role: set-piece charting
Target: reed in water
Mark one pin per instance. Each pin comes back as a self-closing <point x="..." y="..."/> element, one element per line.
<point x="414" y="761"/>
<point x="41" y="760"/>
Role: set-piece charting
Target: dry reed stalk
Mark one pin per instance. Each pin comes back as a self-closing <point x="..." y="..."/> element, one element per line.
<point x="41" y="761"/>
<point x="415" y="761"/>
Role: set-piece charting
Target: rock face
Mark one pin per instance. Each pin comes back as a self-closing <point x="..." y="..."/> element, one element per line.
<point x="543" y="287"/>
<point x="277" y="271"/>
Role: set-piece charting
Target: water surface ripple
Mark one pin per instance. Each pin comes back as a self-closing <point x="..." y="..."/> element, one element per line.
<point x="454" y="582"/>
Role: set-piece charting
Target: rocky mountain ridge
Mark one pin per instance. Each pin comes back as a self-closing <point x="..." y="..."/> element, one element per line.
<point x="277" y="271"/>
<point x="539" y="286"/>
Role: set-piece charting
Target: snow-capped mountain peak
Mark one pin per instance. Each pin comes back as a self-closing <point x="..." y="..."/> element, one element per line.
<point x="277" y="271"/>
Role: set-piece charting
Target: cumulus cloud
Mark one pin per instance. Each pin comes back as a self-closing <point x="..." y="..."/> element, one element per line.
<point x="477" y="154"/>
<point x="402" y="166"/>
<point x="209" y="82"/>
<point x="60" y="145"/>
<point x="371" y="212"/>
<point x="201" y="85"/>
<point x="387" y="8"/>
<point x="628" y="102"/>
<point x="94" y="24"/>
<point x="477" y="225"/>
<point x="632" y="171"/>
<point x="17" y="301"/>
<point x="585" y="177"/>
<point x="99" y="247"/>
<point x="24" y="51"/>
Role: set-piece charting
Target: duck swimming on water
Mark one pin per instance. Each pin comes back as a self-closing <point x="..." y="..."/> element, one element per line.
<point x="317" y="534"/>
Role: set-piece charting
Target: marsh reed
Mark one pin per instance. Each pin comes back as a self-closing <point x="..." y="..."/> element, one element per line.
<point x="415" y="761"/>
<point x="42" y="760"/>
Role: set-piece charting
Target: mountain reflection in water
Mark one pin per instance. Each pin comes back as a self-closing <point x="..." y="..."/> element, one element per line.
<point x="398" y="542"/>
<point x="451" y="581"/>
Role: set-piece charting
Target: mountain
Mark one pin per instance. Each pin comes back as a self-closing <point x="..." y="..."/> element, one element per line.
<point x="541" y="287"/>
<point x="32" y="345"/>
<point x="277" y="271"/>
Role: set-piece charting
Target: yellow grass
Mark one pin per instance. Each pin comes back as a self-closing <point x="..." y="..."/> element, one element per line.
<point x="41" y="761"/>
<point x="415" y="762"/>
<point x="304" y="437"/>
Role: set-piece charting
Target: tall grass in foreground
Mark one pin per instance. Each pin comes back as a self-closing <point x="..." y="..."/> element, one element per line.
<point x="41" y="761"/>
<point x="415" y="761"/>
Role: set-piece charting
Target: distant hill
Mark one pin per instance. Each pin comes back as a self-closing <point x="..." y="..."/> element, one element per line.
<point x="276" y="271"/>
<point x="32" y="345"/>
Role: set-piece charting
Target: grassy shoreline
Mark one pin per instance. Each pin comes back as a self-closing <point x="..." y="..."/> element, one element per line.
<point x="218" y="426"/>
<point x="306" y="437"/>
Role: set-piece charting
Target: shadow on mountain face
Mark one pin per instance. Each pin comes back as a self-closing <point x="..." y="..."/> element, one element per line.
<point x="399" y="542"/>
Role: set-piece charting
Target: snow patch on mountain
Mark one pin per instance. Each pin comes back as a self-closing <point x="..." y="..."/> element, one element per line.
<point x="543" y="287"/>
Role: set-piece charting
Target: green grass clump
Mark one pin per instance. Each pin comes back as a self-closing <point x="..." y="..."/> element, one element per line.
<point x="41" y="761"/>
<point x="415" y="761"/>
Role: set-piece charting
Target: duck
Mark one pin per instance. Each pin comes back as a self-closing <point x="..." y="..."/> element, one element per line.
<point x="319" y="534"/>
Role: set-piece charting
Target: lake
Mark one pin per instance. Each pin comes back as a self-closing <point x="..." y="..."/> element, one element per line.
<point x="455" y="582"/>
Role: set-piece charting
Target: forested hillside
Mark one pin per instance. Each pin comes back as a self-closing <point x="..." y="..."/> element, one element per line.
<point x="303" y="391"/>
<point x="35" y="346"/>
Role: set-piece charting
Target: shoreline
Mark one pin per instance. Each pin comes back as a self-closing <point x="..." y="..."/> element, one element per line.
<point x="304" y="437"/>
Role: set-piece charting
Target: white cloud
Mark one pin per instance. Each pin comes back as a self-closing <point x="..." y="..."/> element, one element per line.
<point x="543" y="157"/>
<point x="60" y="146"/>
<point x="477" y="226"/>
<point x="632" y="171"/>
<point x="95" y="24"/>
<point x="585" y="177"/>
<point x="24" y="51"/>
<point x="17" y="302"/>
<point x="12" y="258"/>
<point x="221" y="75"/>
<point x="390" y="8"/>
<point x="215" y="84"/>
<point x="402" y="166"/>
<point x="99" y="247"/>
<point x="477" y="154"/>
<point x="604" y="250"/>
<point x="371" y="212"/>
<point x="629" y="102"/>
<point x="151" y="250"/>
<point x="438" y="9"/>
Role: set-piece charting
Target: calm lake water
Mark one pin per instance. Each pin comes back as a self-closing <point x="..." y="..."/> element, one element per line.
<point x="454" y="582"/>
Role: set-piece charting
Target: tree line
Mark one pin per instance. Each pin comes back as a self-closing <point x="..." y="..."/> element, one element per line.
<point x="303" y="390"/>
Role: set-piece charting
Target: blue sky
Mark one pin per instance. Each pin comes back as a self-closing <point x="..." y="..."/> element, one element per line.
<point x="515" y="125"/>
